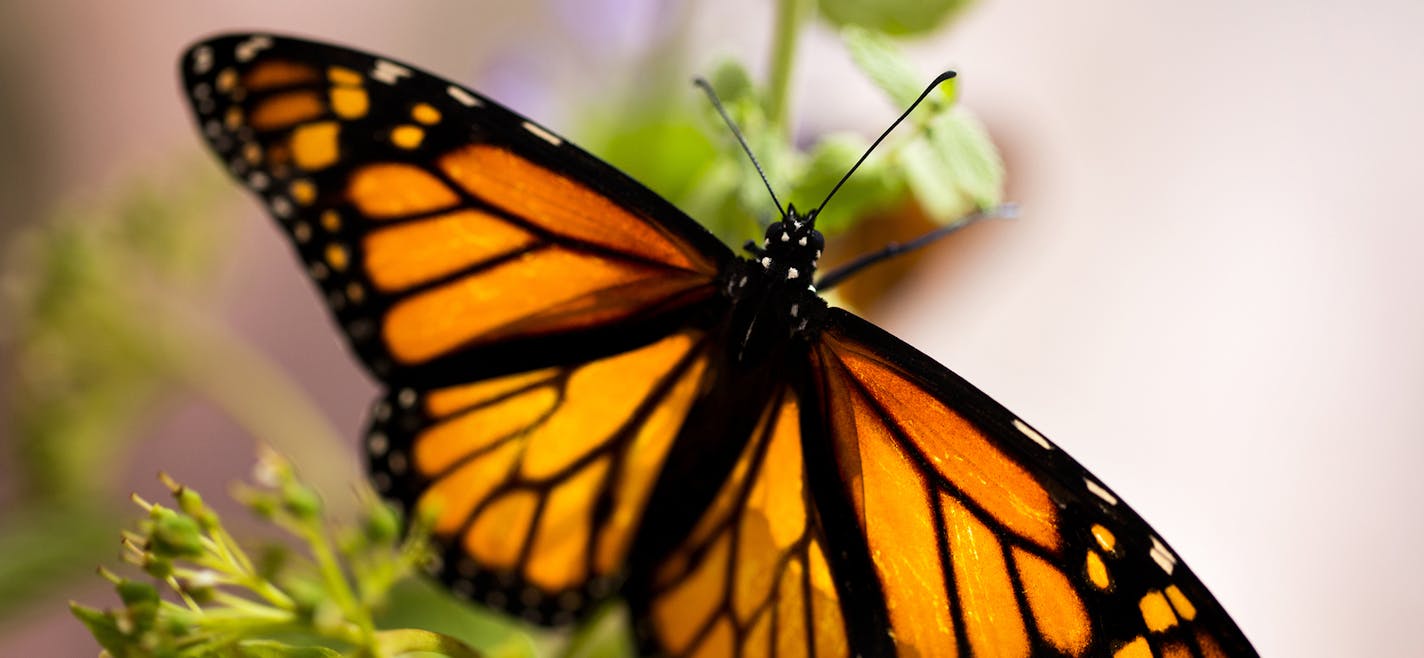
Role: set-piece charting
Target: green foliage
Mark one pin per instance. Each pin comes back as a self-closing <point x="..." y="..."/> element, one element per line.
<point x="81" y="296"/>
<point x="229" y="604"/>
<point x="942" y="157"/>
<point x="897" y="17"/>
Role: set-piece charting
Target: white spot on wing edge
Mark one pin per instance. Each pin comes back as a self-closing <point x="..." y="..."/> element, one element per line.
<point x="281" y="207"/>
<point x="463" y="97"/>
<point x="1162" y="556"/>
<point x="246" y="50"/>
<point x="389" y="72"/>
<point x="1032" y="434"/>
<point x="377" y="443"/>
<point x="538" y="131"/>
<point x="1101" y="492"/>
<point x="202" y="59"/>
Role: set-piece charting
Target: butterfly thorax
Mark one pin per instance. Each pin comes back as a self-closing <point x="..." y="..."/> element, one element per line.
<point x="773" y="299"/>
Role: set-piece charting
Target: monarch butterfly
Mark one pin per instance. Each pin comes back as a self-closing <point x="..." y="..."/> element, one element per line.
<point x="600" y="398"/>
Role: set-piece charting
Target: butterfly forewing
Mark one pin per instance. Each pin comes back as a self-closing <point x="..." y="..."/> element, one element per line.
<point x="450" y="237"/>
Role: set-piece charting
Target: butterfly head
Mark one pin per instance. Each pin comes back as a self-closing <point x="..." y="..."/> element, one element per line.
<point x="793" y="245"/>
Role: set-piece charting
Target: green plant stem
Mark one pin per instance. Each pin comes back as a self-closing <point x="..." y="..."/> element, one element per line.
<point x="337" y="585"/>
<point x="791" y="15"/>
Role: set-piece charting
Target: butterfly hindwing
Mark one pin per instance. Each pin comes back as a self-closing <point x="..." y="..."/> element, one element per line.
<point x="451" y="237"/>
<point x="984" y="535"/>
<point x="752" y="578"/>
<point x="538" y="479"/>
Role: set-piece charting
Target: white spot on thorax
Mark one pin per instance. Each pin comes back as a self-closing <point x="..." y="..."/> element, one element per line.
<point x="389" y="72"/>
<point x="766" y="262"/>
<point x="795" y="309"/>
<point x="791" y="273"/>
<point x="1100" y="492"/>
<point x="463" y="97"/>
<point x="802" y="241"/>
<point x="1033" y="434"/>
<point x="785" y="237"/>
<point x="538" y="131"/>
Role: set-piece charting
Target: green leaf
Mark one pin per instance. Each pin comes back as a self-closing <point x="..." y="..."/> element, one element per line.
<point x="975" y="165"/>
<point x="930" y="179"/>
<point x="878" y="58"/>
<point x="953" y="168"/>
<point x="273" y="649"/>
<point x="411" y="641"/>
<point x="419" y="602"/>
<point x="898" y="17"/>
<point x="605" y="634"/>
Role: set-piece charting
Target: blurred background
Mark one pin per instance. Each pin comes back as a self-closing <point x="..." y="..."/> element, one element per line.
<point x="1213" y="299"/>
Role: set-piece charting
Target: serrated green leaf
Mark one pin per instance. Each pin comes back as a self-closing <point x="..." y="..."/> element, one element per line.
<point x="898" y="17"/>
<point x="273" y="649"/>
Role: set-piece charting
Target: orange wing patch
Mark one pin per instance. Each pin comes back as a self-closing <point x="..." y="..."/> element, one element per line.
<point x="525" y="473"/>
<point x="752" y="577"/>
<point x="959" y="452"/>
<point x="923" y="472"/>
<point x="564" y="207"/>
<point x="545" y="291"/>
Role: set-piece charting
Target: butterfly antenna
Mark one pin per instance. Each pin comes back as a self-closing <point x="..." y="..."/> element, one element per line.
<point x="836" y="276"/>
<point x="717" y="103"/>
<point x="937" y="81"/>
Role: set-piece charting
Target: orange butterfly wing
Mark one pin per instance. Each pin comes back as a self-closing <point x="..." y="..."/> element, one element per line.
<point x="534" y="313"/>
<point x="450" y="237"/>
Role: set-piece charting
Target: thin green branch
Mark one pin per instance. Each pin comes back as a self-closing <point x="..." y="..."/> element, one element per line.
<point x="791" y="17"/>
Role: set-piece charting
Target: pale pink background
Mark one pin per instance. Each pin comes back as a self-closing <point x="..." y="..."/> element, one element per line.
<point x="1214" y="299"/>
